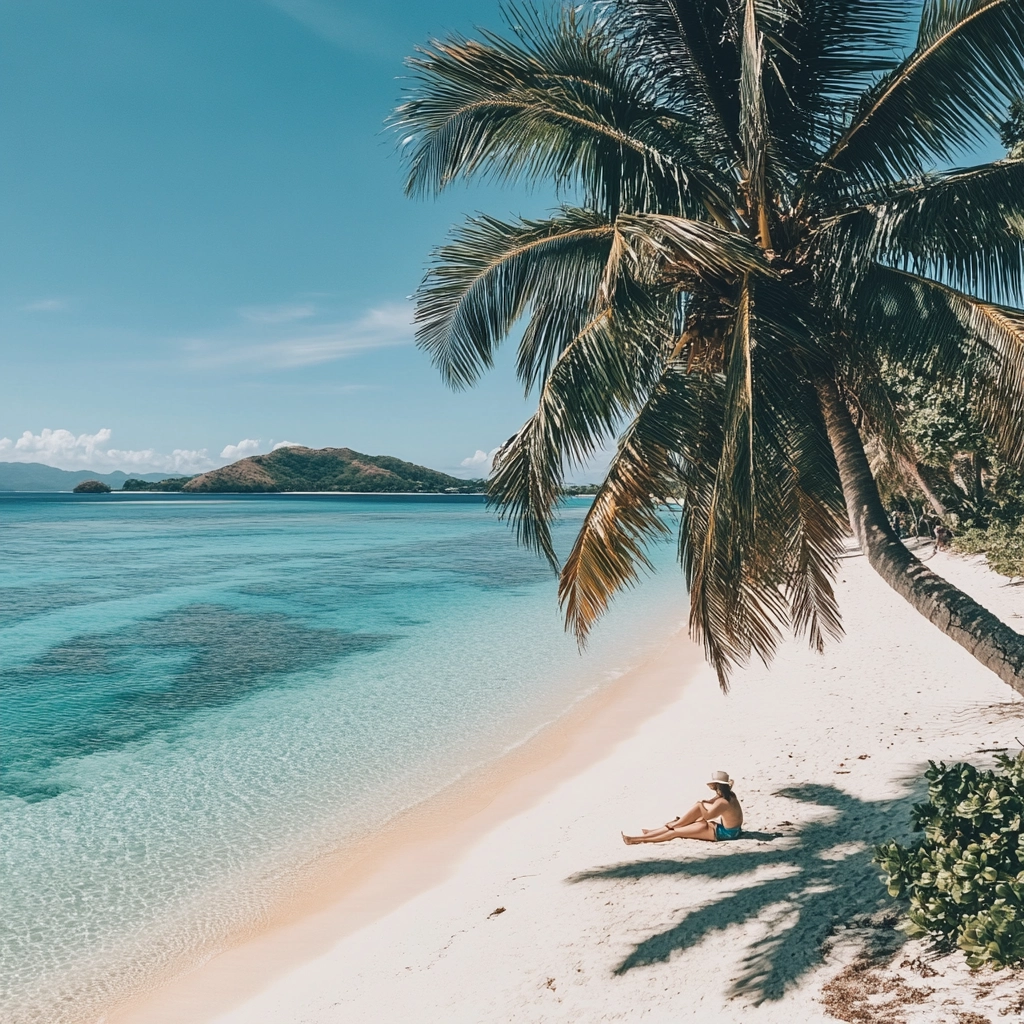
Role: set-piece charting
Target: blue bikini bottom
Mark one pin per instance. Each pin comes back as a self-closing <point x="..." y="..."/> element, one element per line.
<point x="721" y="832"/>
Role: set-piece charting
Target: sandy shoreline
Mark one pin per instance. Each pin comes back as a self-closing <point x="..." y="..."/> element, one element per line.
<point x="827" y="751"/>
<point x="418" y="848"/>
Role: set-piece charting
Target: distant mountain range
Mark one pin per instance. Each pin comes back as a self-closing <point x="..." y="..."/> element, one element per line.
<point x="34" y="476"/>
<point x="326" y="469"/>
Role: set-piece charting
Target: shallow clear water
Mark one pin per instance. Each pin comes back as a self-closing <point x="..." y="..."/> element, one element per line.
<point x="200" y="695"/>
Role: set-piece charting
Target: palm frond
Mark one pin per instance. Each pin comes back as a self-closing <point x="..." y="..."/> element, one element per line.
<point x="703" y="250"/>
<point x="559" y="271"/>
<point x="761" y="533"/>
<point x="967" y="65"/>
<point x="689" y="42"/>
<point x="754" y="132"/>
<point x="485" y="278"/>
<point x="601" y="375"/>
<point x="628" y="512"/>
<point x="964" y="227"/>
<point x="559" y="101"/>
<point x="821" y="57"/>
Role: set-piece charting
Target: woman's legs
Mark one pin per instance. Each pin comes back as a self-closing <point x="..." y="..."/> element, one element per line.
<point x="695" y="813"/>
<point x="694" y="830"/>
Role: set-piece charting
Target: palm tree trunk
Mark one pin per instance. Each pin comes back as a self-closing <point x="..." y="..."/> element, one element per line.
<point x="913" y="472"/>
<point x="959" y="616"/>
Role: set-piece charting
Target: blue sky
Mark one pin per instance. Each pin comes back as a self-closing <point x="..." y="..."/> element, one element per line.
<point x="205" y="249"/>
<point x="204" y="239"/>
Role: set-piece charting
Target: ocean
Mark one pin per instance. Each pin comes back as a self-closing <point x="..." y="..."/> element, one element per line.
<point x="201" y="695"/>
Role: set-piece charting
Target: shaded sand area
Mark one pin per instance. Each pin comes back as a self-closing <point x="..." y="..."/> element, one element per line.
<point x="516" y="900"/>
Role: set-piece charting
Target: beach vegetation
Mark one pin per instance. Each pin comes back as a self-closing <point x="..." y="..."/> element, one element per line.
<point x="1011" y="131"/>
<point x="953" y="469"/>
<point x="964" y="878"/>
<point x="766" y="218"/>
<point x="1002" y="546"/>
<point x="949" y="462"/>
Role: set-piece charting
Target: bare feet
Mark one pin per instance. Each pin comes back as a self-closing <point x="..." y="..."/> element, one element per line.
<point x="628" y="840"/>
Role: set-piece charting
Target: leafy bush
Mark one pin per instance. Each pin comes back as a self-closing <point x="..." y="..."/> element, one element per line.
<point x="965" y="878"/>
<point x="1002" y="545"/>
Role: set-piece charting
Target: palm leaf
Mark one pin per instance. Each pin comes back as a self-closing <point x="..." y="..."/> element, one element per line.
<point x="560" y="270"/>
<point x="967" y="65"/>
<point x="485" y="278"/>
<point x="602" y="374"/>
<point x="820" y="59"/>
<point x="628" y="512"/>
<point x="689" y="42"/>
<point x="754" y="131"/>
<point x="760" y="536"/>
<point x="561" y="101"/>
<point x="965" y="227"/>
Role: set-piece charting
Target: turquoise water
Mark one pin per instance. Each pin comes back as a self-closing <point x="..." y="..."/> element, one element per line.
<point x="200" y="695"/>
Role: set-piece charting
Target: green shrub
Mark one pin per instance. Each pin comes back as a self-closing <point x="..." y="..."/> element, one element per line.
<point x="965" y="878"/>
<point x="1001" y="544"/>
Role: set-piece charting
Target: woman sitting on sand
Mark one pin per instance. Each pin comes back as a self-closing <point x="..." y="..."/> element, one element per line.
<point x="712" y="820"/>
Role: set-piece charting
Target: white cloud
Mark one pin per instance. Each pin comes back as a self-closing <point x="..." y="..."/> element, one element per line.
<point x="481" y="460"/>
<point x="287" y="444"/>
<point x="44" y="306"/>
<point x="248" y="446"/>
<point x="377" y="328"/>
<point x="64" y="450"/>
<point x="277" y="314"/>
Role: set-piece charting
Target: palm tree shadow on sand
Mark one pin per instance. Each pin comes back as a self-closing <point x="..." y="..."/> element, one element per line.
<point x="820" y="877"/>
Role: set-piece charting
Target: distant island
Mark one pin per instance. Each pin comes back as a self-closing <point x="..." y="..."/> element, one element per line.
<point x="287" y="469"/>
<point x="171" y="483"/>
<point x="315" y="469"/>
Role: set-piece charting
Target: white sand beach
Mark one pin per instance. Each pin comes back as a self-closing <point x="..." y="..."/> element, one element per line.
<point x="517" y="901"/>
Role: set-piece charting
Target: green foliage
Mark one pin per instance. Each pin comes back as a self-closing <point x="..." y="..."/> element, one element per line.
<point x="1011" y="131"/>
<point x="937" y="416"/>
<point x="965" y="878"/>
<point x="1002" y="545"/>
<point x="946" y="436"/>
<point x="92" y="487"/>
<point x="172" y="483"/>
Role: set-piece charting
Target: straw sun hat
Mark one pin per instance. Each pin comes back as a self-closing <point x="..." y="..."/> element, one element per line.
<point x="720" y="779"/>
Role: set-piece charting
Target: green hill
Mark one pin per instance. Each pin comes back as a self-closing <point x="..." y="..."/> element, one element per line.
<point x="327" y="469"/>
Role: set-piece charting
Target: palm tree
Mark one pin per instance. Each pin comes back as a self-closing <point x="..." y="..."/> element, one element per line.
<point x="753" y="229"/>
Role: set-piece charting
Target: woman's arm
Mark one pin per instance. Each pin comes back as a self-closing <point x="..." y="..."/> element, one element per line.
<point x="714" y="808"/>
